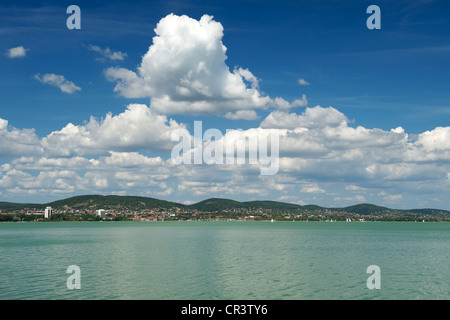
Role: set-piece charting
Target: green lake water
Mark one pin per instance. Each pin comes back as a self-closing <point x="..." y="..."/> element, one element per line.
<point x="224" y="260"/>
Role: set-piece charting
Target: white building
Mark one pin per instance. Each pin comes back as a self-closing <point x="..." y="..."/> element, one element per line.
<point x="101" y="213"/>
<point x="48" y="212"/>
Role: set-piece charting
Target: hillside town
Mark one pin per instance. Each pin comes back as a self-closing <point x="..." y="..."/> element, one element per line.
<point x="67" y="213"/>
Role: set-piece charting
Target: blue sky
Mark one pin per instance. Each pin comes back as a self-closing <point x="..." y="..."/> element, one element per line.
<point x="397" y="76"/>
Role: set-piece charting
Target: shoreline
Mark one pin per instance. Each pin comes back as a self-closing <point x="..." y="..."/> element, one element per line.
<point x="224" y="220"/>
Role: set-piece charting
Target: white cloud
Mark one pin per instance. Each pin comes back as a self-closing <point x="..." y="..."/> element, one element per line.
<point x="435" y="140"/>
<point x="59" y="82"/>
<point x="18" y="52"/>
<point x="184" y="72"/>
<point x="303" y="102"/>
<point x="13" y="177"/>
<point x="354" y="188"/>
<point x="137" y="128"/>
<point x="282" y="104"/>
<point x="131" y="159"/>
<point x="303" y="82"/>
<point x="18" y="142"/>
<point x="357" y="198"/>
<point x="312" y="188"/>
<point x="242" y="114"/>
<point x="321" y="148"/>
<point x="130" y="84"/>
<point x="5" y="167"/>
<point x="291" y="199"/>
<point x="44" y="163"/>
<point x="393" y="198"/>
<point x="316" y="117"/>
<point x="107" y="53"/>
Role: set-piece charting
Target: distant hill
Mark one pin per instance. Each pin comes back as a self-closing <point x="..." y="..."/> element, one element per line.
<point x="215" y="204"/>
<point x="94" y="202"/>
<point x="17" y="206"/>
<point x="270" y="205"/>
<point x="428" y="212"/>
<point x="365" y="209"/>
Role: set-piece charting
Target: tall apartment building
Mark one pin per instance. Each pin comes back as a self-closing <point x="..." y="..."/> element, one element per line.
<point x="48" y="212"/>
<point x="101" y="213"/>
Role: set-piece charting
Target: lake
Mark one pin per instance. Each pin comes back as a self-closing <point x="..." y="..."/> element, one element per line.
<point x="198" y="260"/>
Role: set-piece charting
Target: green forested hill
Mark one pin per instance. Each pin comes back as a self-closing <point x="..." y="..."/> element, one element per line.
<point x="94" y="202"/>
<point x="365" y="208"/>
<point x="215" y="204"/>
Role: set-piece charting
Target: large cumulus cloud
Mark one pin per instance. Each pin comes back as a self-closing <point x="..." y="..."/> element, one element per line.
<point x="184" y="72"/>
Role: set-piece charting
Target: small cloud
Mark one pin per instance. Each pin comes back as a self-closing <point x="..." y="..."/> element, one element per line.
<point x="282" y="104"/>
<point x="357" y="198"/>
<point x="291" y="199"/>
<point x="242" y="115"/>
<point x="108" y="54"/>
<point x="303" y="102"/>
<point x="303" y="82"/>
<point x="398" y="130"/>
<point x="312" y="189"/>
<point x="58" y="81"/>
<point x="393" y="198"/>
<point x="18" y="52"/>
<point x="354" y="188"/>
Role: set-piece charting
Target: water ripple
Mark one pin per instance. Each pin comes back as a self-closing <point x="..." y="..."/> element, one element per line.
<point x="224" y="260"/>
